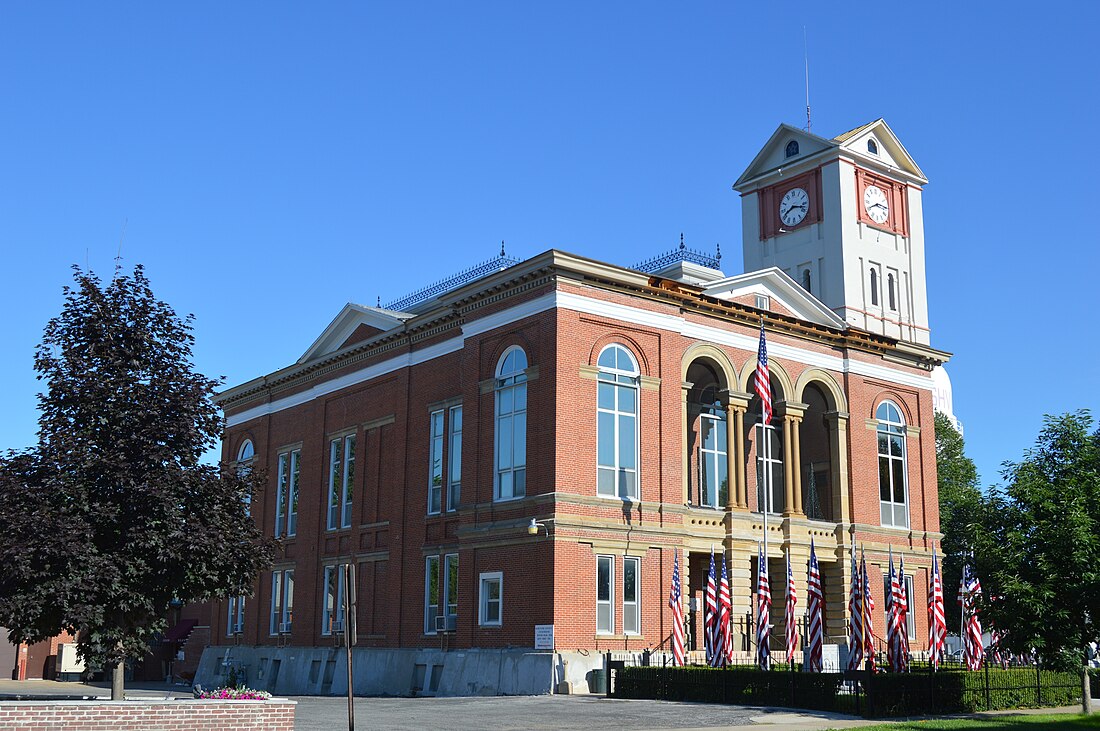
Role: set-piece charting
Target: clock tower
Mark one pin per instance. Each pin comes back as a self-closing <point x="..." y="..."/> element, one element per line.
<point x="843" y="218"/>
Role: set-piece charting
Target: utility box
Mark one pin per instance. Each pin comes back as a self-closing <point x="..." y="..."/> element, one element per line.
<point x="69" y="664"/>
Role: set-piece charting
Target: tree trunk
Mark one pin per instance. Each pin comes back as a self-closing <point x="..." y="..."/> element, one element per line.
<point x="118" y="677"/>
<point x="1086" y="690"/>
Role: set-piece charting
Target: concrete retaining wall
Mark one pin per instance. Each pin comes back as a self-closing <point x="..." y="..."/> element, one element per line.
<point x="396" y="672"/>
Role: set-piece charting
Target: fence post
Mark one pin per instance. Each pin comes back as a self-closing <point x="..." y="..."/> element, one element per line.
<point x="989" y="702"/>
<point x="1038" y="686"/>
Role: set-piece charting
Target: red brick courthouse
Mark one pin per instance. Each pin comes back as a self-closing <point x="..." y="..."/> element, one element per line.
<point x="613" y="406"/>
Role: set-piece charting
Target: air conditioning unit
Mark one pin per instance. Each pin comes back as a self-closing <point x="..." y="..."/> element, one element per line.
<point x="440" y="623"/>
<point x="338" y="626"/>
<point x="238" y="628"/>
<point x="284" y="628"/>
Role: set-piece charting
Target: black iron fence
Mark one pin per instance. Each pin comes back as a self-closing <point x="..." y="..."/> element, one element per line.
<point x="951" y="689"/>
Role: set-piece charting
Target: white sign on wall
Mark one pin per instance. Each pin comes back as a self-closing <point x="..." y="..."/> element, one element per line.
<point x="544" y="637"/>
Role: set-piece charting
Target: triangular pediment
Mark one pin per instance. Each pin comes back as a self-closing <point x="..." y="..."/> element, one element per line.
<point x="773" y="155"/>
<point x="885" y="148"/>
<point x="783" y="291"/>
<point x="353" y="319"/>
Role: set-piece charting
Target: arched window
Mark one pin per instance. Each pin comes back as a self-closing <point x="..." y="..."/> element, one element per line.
<point x="617" y="424"/>
<point x="874" y="287"/>
<point x="245" y="454"/>
<point x="890" y="291"/>
<point x="511" y="425"/>
<point x="792" y="148"/>
<point x="891" y="465"/>
<point x="707" y="455"/>
<point x="806" y="279"/>
<point x="244" y="457"/>
<point x="872" y="147"/>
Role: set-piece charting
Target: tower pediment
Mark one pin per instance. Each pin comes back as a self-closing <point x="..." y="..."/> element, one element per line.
<point x="777" y="153"/>
<point x="875" y="145"/>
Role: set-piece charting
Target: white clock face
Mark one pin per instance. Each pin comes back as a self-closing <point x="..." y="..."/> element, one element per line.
<point x="794" y="206"/>
<point x="874" y="202"/>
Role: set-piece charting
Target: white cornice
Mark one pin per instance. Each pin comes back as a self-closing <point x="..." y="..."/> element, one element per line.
<point x="589" y="306"/>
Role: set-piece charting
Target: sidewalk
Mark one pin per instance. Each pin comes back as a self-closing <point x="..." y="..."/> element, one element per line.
<point x="34" y="689"/>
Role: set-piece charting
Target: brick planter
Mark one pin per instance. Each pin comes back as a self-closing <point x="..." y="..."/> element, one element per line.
<point x="159" y="715"/>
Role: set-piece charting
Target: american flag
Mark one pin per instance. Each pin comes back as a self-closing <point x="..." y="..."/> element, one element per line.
<point x="790" y="619"/>
<point x="868" y="614"/>
<point x="893" y="623"/>
<point x="711" y="610"/>
<point x="814" y="601"/>
<point x="855" y="611"/>
<point x="763" y="379"/>
<point x="903" y="613"/>
<point x="937" y="621"/>
<point x="725" y="630"/>
<point x="968" y="592"/>
<point x="677" y="613"/>
<point x="763" y="615"/>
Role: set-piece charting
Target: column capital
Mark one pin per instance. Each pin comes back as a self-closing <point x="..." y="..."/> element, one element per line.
<point x="735" y="400"/>
<point x="787" y="408"/>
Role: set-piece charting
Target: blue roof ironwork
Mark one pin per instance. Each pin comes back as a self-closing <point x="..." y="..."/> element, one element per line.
<point x="682" y="253"/>
<point x="496" y="264"/>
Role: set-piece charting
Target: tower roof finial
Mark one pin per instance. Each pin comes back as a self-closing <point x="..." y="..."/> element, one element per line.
<point x="502" y="247"/>
<point x="681" y="240"/>
<point x="718" y="251"/>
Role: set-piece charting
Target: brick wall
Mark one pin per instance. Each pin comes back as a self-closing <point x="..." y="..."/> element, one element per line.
<point x="550" y="578"/>
<point x="187" y="715"/>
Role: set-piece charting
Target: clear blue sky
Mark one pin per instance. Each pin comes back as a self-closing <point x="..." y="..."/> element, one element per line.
<point x="269" y="162"/>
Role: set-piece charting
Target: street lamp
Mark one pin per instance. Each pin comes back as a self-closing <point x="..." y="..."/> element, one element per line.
<point x="534" y="525"/>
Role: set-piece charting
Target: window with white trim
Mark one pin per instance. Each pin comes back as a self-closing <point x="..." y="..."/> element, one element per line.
<point x="234" y="621"/>
<point x="286" y="499"/>
<point x="435" y="478"/>
<point x="431" y="593"/>
<point x="454" y="459"/>
<point x="490" y="605"/>
<point x="450" y="589"/>
<point x="332" y="618"/>
<point x="245" y="456"/>
<point x="874" y="286"/>
<point x="632" y="613"/>
<point x="910" y="615"/>
<point x="892" y="477"/>
<point x="341" y="479"/>
<point x="282" y="601"/>
<point x="605" y="595"/>
<point x="890" y="292"/>
<point x="511" y="425"/>
<point x="617" y="423"/>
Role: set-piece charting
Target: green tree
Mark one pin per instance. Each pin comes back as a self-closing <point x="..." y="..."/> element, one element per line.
<point x="111" y="515"/>
<point x="1038" y="544"/>
<point x="960" y="504"/>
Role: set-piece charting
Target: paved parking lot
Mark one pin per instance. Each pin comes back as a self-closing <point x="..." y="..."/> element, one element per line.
<point x="552" y="713"/>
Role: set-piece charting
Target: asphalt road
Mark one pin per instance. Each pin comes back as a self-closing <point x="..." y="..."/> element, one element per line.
<point x="551" y="713"/>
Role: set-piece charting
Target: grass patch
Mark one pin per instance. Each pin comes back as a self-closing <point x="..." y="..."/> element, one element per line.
<point x="1003" y="722"/>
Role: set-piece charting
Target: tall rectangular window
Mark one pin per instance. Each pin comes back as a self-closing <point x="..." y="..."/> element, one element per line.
<point x="431" y="593"/>
<point x="435" y="480"/>
<point x="490" y="611"/>
<point x="454" y="459"/>
<point x="450" y="588"/>
<point x="282" y="601"/>
<point x="332" y="619"/>
<point x="769" y="469"/>
<point x="234" y="621"/>
<point x="632" y="615"/>
<point x="605" y="608"/>
<point x="911" y="616"/>
<point x="286" y="499"/>
<point x="341" y="478"/>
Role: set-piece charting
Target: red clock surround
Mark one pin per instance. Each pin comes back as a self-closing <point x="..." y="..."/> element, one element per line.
<point x="770" y="223"/>
<point x="898" y="219"/>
